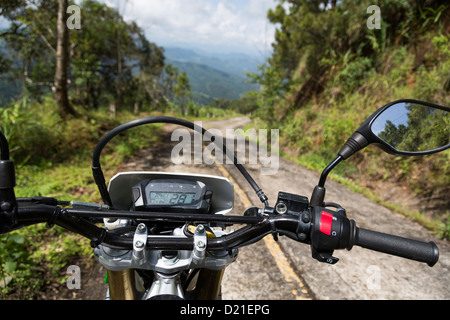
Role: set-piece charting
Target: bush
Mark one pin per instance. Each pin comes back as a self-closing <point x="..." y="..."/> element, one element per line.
<point x="355" y="73"/>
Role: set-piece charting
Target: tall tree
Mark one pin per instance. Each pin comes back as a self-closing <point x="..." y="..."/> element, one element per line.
<point x="39" y="39"/>
<point x="62" y="62"/>
<point x="30" y="44"/>
<point x="113" y="61"/>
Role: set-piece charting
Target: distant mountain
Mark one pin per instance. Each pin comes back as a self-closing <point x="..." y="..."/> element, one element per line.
<point x="236" y="63"/>
<point x="213" y="77"/>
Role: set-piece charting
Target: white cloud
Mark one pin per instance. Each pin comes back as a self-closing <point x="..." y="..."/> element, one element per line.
<point x="208" y="24"/>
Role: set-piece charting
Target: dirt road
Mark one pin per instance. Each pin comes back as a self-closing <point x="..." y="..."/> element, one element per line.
<point x="360" y="273"/>
<point x="286" y="270"/>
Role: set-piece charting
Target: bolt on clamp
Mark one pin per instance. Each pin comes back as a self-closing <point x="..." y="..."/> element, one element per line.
<point x="139" y="243"/>
<point x="200" y="242"/>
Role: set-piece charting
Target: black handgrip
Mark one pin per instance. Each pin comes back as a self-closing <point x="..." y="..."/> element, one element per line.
<point x="407" y="248"/>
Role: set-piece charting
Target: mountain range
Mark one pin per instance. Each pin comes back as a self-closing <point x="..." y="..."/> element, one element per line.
<point x="214" y="76"/>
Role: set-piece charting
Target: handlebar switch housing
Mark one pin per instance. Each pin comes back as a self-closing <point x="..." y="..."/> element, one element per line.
<point x="330" y="230"/>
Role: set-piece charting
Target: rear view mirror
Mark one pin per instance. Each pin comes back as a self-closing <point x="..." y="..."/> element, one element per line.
<point x="407" y="127"/>
<point x="412" y="128"/>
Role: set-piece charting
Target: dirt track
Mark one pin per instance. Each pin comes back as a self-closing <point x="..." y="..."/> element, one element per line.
<point x="360" y="273"/>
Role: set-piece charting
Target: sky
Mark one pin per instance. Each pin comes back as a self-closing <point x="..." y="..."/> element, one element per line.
<point x="208" y="25"/>
<point x="205" y="25"/>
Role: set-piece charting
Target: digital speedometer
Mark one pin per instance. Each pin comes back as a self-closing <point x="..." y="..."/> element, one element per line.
<point x="171" y="198"/>
<point x="172" y="195"/>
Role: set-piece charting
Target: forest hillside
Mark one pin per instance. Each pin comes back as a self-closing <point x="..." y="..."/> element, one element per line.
<point x="335" y="63"/>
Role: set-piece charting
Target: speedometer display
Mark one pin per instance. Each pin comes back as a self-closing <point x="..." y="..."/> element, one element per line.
<point x="172" y="195"/>
<point x="168" y="198"/>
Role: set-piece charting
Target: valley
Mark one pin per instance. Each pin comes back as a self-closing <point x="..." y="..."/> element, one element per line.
<point x="214" y="76"/>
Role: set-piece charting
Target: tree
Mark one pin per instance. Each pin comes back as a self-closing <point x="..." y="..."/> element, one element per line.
<point x="30" y="43"/>
<point x="80" y="67"/>
<point x="168" y="80"/>
<point x="62" y="62"/>
<point x="182" y="91"/>
<point x="315" y="38"/>
<point x="39" y="40"/>
<point x="273" y="89"/>
<point x="113" y="61"/>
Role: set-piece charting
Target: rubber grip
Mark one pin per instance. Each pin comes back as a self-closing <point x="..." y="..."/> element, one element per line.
<point x="407" y="248"/>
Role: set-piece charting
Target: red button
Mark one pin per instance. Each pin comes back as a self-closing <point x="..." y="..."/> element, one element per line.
<point x="326" y="220"/>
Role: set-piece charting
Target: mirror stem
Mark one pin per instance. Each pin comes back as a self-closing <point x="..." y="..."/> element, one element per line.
<point x="327" y="170"/>
<point x="318" y="194"/>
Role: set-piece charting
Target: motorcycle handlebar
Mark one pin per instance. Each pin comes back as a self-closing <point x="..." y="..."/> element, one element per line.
<point x="341" y="232"/>
<point x="427" y="252"/>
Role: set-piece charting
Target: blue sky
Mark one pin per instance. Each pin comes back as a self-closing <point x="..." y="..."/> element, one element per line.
<point x="209" y="25"/>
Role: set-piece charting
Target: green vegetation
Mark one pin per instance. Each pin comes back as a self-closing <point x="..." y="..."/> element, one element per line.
<point x="329" y="72"/>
